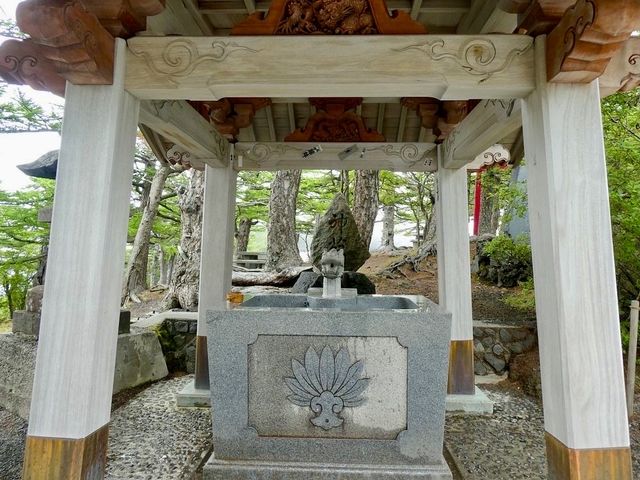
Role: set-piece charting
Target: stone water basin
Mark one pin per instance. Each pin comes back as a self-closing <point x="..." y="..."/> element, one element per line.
<point x="305" y="387"/>
<point x="348" y="303"/>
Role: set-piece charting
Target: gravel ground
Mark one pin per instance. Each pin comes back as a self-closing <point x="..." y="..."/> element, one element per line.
<point x="151" y="439"/>
<point x="507" y="445"/>
<point x="13" y="432"/>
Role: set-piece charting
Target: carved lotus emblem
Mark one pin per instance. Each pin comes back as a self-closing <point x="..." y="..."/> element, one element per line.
<point x="327" y="384"/>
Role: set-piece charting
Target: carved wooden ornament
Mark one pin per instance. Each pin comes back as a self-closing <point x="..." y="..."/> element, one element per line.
<point x="123" y="18"/>
<point x="229" y="115"/>
<point x="333" y="17"/>
<point x="439" y="116"/>
<point x="590" y="33"/>
<point x="335" y="123"/>
<point x="22" y="63"/>
<point x="70" y="37"/>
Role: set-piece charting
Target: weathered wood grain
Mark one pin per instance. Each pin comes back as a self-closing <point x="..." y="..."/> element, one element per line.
<point x="445" y="67"/>
<point x="576" y="301"/>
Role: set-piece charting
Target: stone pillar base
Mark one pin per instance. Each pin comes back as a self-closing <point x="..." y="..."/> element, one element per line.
<point x="478" y="403"/>
<point x="48" y="458"/>
<point x="248" y="470"/>
<point x="564" y="463"/>
<point x="191" y="396"/>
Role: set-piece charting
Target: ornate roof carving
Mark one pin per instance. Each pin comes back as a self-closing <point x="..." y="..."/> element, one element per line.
<point x="335" y="121"/>
<point x="333" y="17"/>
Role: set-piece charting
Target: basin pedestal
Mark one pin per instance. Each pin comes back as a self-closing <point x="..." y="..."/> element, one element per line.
<point x="300" y="393"/>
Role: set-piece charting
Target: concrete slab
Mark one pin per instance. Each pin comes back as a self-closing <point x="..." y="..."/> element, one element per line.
<point x="477" y="404"/>
<point x="190" y="396"/>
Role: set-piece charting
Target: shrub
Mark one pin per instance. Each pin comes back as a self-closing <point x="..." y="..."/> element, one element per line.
<point x="505" y="261"/>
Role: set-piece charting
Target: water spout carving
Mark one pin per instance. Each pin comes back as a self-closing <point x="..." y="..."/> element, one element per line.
<point x="332" y="268"/>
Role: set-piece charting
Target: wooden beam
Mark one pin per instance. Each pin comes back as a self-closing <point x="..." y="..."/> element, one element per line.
<point x="588" y="36"/>
<point x="447" y="67"/>
<point x="179" y="123"/>
<point x="485" y="16"/>
<point x="623" y="72"/>
<point x="487" y="124"/>
<point x="400" y="157"/>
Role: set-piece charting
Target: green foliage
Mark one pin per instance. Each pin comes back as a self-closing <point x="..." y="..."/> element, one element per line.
<point x="252" y="196"/>
<point x="524" y="297"/>
<point x="505" y="261"/>
<point x="504" y="249"/>
<point x="621" y="122"/>
<point x="22" y="239"/>
<point x="21" y="114"/>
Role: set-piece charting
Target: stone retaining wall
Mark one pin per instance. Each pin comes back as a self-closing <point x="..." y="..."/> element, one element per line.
<point x="178" y="342"/>
<point x="496" y="345"/>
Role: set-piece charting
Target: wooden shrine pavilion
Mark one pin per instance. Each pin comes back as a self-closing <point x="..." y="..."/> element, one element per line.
<point x="416" y="85"/>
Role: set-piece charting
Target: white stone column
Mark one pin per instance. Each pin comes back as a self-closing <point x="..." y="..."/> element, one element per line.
<point x="71" y="400"/>
<point x="216" y="262"/>
<point x="454" y="274"/>
<point x="576" y="302"/>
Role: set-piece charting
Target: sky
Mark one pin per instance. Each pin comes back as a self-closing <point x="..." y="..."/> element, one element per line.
<point x="17" y="148"/>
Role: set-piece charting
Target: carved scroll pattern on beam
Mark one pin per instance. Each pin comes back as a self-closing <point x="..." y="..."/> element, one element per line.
<point x="263" y="153"/>
<point x="477" y="57"/>
<point x="410" y="154"/>
<point x="180" y="57"/>
<point x="404" y="157"/>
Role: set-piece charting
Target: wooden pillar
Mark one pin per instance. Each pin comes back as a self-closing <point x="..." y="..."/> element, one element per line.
<point x="216" y="257"/>
<point x="454" y="274"/>
<point x="71" y="400"/>
<point x="578" y="326"/>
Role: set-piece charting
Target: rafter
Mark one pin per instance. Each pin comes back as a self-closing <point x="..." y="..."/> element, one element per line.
<point x="180" y="123"/>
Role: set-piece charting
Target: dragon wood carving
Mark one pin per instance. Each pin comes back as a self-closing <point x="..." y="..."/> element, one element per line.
<point x="333" y="17"/>
<point x="335" y="122"/>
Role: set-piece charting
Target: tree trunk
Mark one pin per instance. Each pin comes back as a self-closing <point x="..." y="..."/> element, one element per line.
<point x="166" y="267"/>
<point x="243" y="232"/>
<point x="135" y="279"/>
<point x="489" y="208"/>
<point x="388" y="227"/>
<point x="344" y="184"/>
<point x="365" y="203"/>
<point x="282" y="245"/>
<point x="183" y="287"/>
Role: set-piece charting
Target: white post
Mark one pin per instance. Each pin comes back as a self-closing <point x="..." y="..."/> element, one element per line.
<point x="576" y="302"/>
<point x="454" y="274"/>
<point x="71" y="400"/>
<point x="632" y="356"/>
<point x="216" y="262"/>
